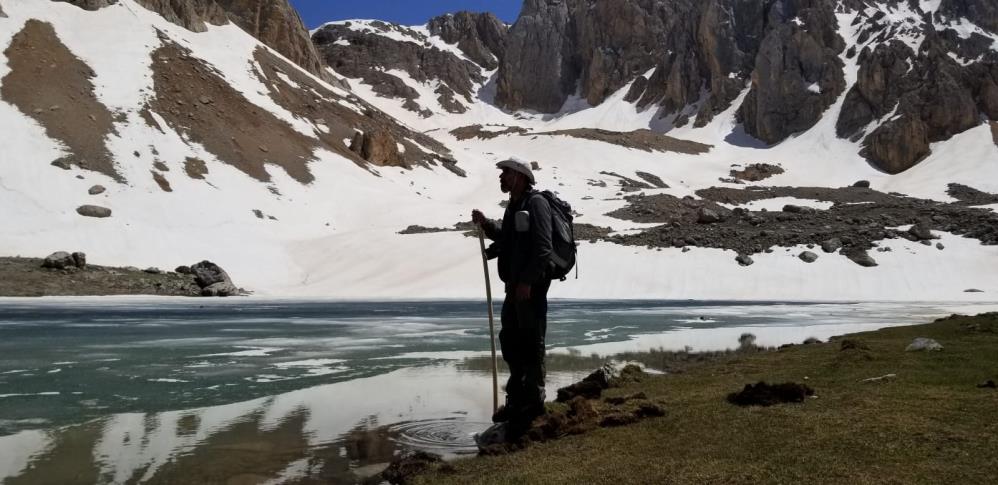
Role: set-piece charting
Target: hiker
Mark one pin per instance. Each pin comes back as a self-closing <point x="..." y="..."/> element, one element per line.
<point x="524" y="248"/>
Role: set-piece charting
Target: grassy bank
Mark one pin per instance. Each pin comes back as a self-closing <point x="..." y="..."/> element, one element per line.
<point x="930" y="424"/>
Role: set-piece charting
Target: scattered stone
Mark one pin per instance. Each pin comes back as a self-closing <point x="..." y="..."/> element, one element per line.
<point x="183" y="269"/>
<point x="535" y="166"/>
<point x="863" y="184"/>
<point x="831" y="245"/>
<point x="921" y="232"/>
<point x="922" y="343"/>
<point x="879" y="379"/>
<point x="925" y="243"/>
<point x="61" y="163"/>
<point x="707" y="216"/>
<point x="59" y="260"/>
<point x="152" y="270"/>
<point x="205" y="100"/>
<point x="988" y="384"/>
<point x="93" y="211"/>
<point x="763" y="394"/>
<point x="940" y="246"/>
<point x="812" y="341"/>
<point x="863" y="259"/>
<point x="80" y="260"/>
<point x="973" y="290"/>
<point x="808" y="257"/>
<point x="744" y="260"/>
<point x="798" y="209"/>
<point x="96" y="189"/>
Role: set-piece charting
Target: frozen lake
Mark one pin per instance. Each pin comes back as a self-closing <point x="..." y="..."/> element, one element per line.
<point x="195" y="391"/>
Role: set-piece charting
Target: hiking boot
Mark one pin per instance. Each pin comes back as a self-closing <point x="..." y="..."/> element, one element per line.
<point x="505" y="412"/>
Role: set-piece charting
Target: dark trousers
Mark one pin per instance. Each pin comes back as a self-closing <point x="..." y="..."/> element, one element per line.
<point x="521" y="338"/>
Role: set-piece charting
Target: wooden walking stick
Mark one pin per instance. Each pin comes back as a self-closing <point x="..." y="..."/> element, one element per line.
<point x="492" y="329"/>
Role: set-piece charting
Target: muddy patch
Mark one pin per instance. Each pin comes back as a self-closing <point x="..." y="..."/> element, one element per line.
<point x="196" y="101"/>
<point x="68" y="110"/>
<point x="478" y="131"/>
<point x="857" y="221"/>
<point x="646" y="140"/>
<point x="971" y="196"/>
<point x="756" y="172"/>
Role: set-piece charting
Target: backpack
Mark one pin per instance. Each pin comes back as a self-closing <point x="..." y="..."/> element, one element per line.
<point x="562" y="236"/>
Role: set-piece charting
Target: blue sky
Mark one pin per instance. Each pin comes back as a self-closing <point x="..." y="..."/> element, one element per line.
<point x="406" y="12"/>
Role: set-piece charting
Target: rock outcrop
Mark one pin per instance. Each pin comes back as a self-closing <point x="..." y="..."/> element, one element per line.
<point x="671" y="52"/>
<point x="905" y="100"/>
<point x="798" y="73"/>
<point x="480" y="36"/>
<point x="273" y="22"/>
<point x="377" y="147"/>
<point x="367" y="51"/>
<point x="2" y="13"/>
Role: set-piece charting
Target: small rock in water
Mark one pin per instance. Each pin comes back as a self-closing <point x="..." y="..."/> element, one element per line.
<point x="922" y="343"/>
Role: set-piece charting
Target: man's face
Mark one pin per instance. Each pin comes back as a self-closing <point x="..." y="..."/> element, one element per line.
<point x="507" y="180"/>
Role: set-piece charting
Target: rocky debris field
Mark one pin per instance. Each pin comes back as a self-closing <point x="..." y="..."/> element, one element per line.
<point x="65" y="274"/>
<point x="755" y="172"/>
<point x="971" y="196"/>
<point x="858" y="219"/>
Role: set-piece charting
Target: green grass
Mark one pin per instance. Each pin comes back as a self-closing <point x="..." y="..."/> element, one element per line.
<point x="931" y="424"/>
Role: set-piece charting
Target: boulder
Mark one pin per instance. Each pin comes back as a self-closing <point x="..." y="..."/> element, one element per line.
<point x="96" y="189"/>
<point x="213" y="280"/>
<point x="183" y="269"/>
<point x="80" y="260"/>
<point x="863" y="184"/>
<point x="763" y="394"/>
<point x="2" y="13"/>
<point x="152" y="270"/>
<point x="59" y="260"/>
<point x="922" y="343"/>
<point x="93" y="211"/>
<point x="744" y="260"/>
<point x="808" y="257"/>
<point x="921" y="232"/>
<point x="863" y="259"/>
<point x="798" y="209"/>
<point x="707" y="216"/>
<point x="378" y="147"/>
<point x="831" y="245"/>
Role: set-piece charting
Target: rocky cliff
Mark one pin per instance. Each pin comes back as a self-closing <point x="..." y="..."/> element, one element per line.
<point x="274" y="22"/>
<point x="923" y="75"/>
<point x="454" y="53"/>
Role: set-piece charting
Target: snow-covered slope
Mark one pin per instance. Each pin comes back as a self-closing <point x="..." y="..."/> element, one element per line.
<point x="336" y="233"/>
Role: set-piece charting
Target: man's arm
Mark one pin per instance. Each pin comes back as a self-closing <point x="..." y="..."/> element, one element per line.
<point x="540" y="241"/>
<point x="491" y="228"/>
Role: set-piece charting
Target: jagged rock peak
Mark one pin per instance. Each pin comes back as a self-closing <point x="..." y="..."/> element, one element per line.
<point x="480" y="36"/>
<point x="669" y="50"/>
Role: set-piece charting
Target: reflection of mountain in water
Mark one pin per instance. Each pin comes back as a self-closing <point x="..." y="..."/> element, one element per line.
<point x="338" y="433"/>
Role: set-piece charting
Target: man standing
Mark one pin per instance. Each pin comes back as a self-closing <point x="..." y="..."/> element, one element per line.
<point x="523" y="245"/>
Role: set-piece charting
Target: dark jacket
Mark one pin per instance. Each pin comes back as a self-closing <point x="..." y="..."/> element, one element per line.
<point x="524" y="257"/>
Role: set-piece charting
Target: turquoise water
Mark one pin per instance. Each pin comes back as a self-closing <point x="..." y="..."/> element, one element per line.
<point x="127" y="391"/>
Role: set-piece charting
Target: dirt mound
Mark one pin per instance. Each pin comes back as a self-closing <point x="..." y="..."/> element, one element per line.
<point x="68" y="110"/>
<point x="763" y="394"/>
<point x="646" y="140"/>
